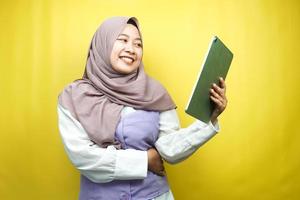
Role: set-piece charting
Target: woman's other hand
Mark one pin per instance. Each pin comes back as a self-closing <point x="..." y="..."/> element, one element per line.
<point x="155" y="162"/>
<point x="218" y="96"/>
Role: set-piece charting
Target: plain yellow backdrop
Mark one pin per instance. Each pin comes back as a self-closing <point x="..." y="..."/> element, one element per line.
<point x="255" y="156"/>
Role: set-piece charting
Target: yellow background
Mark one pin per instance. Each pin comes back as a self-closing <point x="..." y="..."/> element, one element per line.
<point x="255" y="156"/>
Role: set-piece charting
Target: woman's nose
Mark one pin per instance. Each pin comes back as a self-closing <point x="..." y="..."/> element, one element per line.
<point x="129" y="48"/>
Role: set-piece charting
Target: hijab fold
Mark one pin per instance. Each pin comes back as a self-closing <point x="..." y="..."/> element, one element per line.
<point x="97" y="99"/>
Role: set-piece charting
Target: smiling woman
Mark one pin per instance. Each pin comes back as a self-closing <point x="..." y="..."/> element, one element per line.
<point x="127" y="51"/>
<point x="117" y="123"/>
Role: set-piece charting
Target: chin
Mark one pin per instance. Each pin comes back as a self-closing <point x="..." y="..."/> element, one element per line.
<point x="126" y="69"/>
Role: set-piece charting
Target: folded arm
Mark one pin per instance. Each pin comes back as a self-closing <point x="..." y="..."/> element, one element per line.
<point x="176" y="144"/>
<point x="96" y="163"/>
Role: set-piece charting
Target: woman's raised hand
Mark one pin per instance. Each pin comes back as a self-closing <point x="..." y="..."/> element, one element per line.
<point x="218" y="96"/>
<point x="155" y="162"/>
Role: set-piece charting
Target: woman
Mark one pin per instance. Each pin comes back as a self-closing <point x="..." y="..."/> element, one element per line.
<point x="117" y="122"/>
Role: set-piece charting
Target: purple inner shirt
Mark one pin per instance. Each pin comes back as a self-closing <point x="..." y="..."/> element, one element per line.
<point x="138" y="130"/>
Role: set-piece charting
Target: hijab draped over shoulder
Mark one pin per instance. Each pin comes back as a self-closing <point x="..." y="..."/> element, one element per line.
<point x="97" y="99"/>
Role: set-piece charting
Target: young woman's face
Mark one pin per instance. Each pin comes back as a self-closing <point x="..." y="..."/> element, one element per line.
<point x="127" y="51"/>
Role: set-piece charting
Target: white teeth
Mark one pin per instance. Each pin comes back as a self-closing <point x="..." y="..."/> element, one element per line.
<point x="126" y="59"/>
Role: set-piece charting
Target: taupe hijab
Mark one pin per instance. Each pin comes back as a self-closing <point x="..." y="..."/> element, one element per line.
<point x="97" y="99"/>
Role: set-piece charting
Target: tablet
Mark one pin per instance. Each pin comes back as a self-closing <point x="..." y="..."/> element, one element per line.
<point x="216" y="64"/>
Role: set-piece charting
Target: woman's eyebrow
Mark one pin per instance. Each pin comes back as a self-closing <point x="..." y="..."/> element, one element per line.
<point x="122" y="34"/>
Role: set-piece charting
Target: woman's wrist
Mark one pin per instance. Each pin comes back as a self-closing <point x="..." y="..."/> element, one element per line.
<point x="213" y="120"/>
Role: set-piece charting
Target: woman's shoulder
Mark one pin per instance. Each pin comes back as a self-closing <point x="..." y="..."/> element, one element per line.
<point x="81" y="84"/>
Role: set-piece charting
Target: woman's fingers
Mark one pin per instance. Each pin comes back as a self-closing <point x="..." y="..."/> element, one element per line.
<point x="222" y="84"/>
<point x="220" y="100"/>
<point x="155" y="162"/>
<point x="219" y="95"/>
<point x="219" y="90"/>
<point x="215" y="94"/>
<point x="160" y="169"/>
<point x="217" y="101"/>
<point x="161" y="172"/>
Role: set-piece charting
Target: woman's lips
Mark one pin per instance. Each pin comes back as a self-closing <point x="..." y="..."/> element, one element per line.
<point x="127" y="59"/>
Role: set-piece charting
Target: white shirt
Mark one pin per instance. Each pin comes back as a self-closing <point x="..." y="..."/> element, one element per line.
<point x="101" y="165"/>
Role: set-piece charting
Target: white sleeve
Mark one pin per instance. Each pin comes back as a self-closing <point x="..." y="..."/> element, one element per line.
<point x="176" y="144"/>
<point x="96" y="163"/>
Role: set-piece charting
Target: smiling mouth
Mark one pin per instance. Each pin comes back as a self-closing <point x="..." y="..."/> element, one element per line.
<point x="126" y="59"/>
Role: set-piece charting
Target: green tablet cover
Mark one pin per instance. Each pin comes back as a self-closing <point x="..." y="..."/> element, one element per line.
<point x="215" y="65"/>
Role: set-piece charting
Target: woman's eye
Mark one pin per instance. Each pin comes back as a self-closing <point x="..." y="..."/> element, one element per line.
<point x="121" y="39"/>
